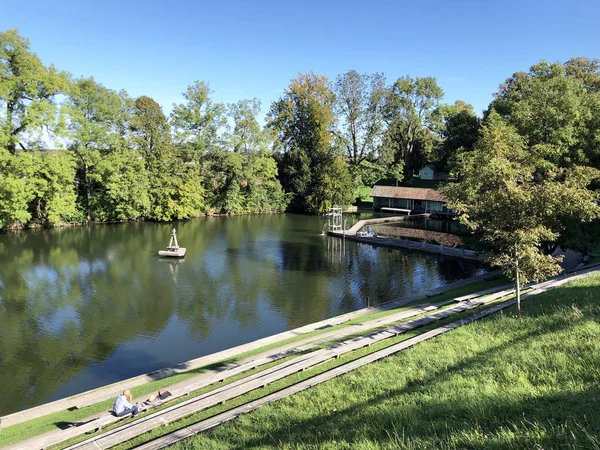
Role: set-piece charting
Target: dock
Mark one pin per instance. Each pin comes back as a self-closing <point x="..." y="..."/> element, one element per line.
<point x="354" y="235"/>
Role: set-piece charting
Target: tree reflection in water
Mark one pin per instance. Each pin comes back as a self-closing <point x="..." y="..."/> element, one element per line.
<point x="83" y="307"/>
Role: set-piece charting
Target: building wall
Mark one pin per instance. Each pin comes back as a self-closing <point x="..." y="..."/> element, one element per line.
<point x="404" y="203"/>
<point x="426" y="173"/>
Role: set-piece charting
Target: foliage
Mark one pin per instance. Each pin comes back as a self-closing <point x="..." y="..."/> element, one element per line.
<point x="17" y="189"/>
<point x="246" y="134"/>
<point x="151" y="130"/>
<point x="545" y="107"/>
<point x="367" y="173"/>
<point x="113" y="181"/>
<point x="310" y="169"/>
<point x="409" y="114"/>
<point x="27" y="93"/>
<point x="196" y="122"/>
<point x="359" y="104"/>
<point x="501" y="200"/>
<point x="556" y="109"/>
<point x="458" y="126"/>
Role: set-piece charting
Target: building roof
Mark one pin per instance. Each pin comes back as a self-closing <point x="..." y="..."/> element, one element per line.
<point x="436" y="167"/>
<point x="407" y="192"/>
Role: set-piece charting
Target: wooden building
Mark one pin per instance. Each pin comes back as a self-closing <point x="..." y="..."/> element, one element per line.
<point x="409" y="200"/>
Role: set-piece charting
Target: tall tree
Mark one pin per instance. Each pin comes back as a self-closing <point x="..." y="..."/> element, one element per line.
<point x="458" y="126"/>
<point x="409" y="113"/>
<point x="501" y="199"/>
<point x="197" y="121"/>
<point x="545" y="106"/>
<point x="246" y="134"/>
<point x="304" y="119"/>
<point x="151" y="130"/>
<point x="359" y="103"/>
<point x="556" y="108"/>
<point x="111" y="174"/>
<point x="27" y="92"/>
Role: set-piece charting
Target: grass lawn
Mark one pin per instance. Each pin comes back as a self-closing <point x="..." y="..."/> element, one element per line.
<point x="500" y="383"/>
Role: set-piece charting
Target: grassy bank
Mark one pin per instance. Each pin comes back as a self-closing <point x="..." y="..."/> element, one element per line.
<point x="50" y="422"/>
<point x="500" y="383"/>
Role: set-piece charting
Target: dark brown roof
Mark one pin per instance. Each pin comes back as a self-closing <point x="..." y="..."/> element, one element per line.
<point x="407" y="192"/>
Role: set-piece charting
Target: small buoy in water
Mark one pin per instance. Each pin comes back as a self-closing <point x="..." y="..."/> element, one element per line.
<point x="173" y="250"/>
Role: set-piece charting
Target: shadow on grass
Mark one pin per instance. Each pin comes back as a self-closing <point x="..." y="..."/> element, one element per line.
<point x="416" y="416"/>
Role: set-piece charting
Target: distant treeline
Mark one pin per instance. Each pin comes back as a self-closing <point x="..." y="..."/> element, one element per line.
<point x="74" y="151"/>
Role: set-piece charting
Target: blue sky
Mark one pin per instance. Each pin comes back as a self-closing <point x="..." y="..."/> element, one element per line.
<point x="247" y="49"/>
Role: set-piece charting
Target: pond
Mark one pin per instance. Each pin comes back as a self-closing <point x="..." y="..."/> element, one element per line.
<point x="87" y="306"/>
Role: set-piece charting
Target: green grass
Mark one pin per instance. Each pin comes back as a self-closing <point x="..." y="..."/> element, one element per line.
<point x="288" y="381"/>
<point x="50" y="422"/>
<point x="363" y="199"/>
<point x="499" y="383"/>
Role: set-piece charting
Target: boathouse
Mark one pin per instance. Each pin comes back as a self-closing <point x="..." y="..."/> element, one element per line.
<point x="409" y="200"/>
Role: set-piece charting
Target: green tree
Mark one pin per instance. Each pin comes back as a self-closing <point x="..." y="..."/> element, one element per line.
<point x="556" y="108"/>
<point x="409" y="114"/>
<point x="197" y="122"/>
<point x="501" y="199"/>
<point x="246" y="134"/>
<point x="17" y="188"/>
<point x="112" y="177"/>
<point x="27" y="92"/>
<point x="458" y="126"/>
<point x="55" y="201"/>
<point x="546" y="108"/>
<point x="359" y="103"/>
<point x="151" y="130"/>
<point x="304" y="122"/>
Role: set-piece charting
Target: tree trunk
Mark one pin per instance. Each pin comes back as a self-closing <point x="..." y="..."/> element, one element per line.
<point x="88" y="194"/>
<point x="11" y="147"/>
<point x="517" y="284"/>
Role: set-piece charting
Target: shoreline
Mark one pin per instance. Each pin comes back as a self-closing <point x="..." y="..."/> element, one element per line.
<point x="11" y="230"/>
<point x="108" y="391"/>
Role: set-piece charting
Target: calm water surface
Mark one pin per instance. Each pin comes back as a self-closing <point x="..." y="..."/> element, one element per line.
<point x="83" y="307"/>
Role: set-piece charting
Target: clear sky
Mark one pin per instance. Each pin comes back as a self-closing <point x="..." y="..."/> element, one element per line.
<point x="253" y="48"/>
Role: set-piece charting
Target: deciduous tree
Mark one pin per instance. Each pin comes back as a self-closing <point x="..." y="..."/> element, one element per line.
<point x="409" y="114"/>
<point x="27" y="92"/>
<point x="359" y="104"/>
<point x="304" y="119"/>
<point x="502" y="201"/>
<point x="197" y="121"/>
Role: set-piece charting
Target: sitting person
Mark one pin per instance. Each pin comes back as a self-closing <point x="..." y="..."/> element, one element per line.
<point x="123" y="405"/>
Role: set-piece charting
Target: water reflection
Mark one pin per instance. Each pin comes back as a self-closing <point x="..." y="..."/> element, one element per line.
<point x="87" y="306"/>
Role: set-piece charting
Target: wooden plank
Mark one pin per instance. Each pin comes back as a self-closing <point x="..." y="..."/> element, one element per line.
<point x="169" y="439"/>
<point x="235" y="412"/>
<point x="262" y="379"/>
